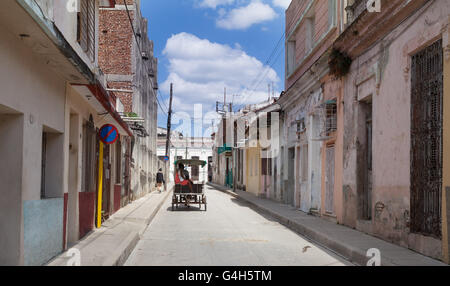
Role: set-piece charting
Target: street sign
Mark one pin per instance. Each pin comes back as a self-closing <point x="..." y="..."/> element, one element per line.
<point x="109" y="134"/>
<point x="166" y="158"/>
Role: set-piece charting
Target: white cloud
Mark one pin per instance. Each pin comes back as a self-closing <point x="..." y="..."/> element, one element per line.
<point x="200" y="70"/>
<point x="214" y="3"/>
<point x="282" y="3"/>
<point x="244" y="17"/>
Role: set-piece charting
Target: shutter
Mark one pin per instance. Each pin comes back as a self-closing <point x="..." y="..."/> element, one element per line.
<point x="91" y="30"/>
<point x="83" y="24"/>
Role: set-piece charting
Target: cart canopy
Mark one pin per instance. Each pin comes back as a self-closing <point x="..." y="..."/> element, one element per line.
<point x="191" y="162"/>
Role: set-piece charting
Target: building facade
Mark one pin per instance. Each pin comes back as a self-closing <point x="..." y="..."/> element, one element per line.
<point x="55" y="99"/>
<point x="127" y="60"/>
<point x="394" y="184"/>
<point x="312" y="111"/>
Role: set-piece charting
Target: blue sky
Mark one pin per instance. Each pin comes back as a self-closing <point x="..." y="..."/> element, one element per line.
<point x="206" y="45"/>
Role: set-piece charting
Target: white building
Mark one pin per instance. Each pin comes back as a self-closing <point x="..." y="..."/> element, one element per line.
<point x="186" y="148"/>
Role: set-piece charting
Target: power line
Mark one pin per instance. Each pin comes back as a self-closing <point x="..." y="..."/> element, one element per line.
<point x="252" y="86"/>
<point x="140" y="51"/>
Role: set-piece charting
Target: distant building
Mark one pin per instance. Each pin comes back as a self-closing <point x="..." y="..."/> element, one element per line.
<point x="185" y="148"/>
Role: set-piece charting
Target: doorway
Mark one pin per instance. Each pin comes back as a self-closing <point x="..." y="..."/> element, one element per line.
<point x="291" y="178"/>
<point x="329" y="180"/>
<point x="426" y="140"/>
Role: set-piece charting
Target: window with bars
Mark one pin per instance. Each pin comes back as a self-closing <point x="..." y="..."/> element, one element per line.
<point x="86" y="27"/>
<point x="427" y="140"/>
<point x="195" y="169"/>
<point x="331" y="117"/>
<point x="301" y="126"/>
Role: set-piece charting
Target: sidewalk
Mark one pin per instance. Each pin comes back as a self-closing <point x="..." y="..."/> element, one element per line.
<point x="347" y="242"/>
<point x="115" y="240"/>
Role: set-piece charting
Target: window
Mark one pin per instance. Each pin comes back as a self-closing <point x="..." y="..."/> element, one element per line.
<point x="331" y="116"/>
<point x="43" y="164"/>
<point x="89" y="157"/>
<point x="291" y="57"/>
<point x="118" y="162"/>
<point x="301" y="126"/>
<point x="310" y="30"/>
<point x="86" y="27"/>
<point x="52" y="162"/>
<point x="264" y="166"/>
<point x="332" y="9"/>
<point x="195" y="169"/>
<point x="269" y="166"/>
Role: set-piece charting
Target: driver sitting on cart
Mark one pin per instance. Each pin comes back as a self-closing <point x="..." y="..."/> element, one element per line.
<point x="182" y="177"/>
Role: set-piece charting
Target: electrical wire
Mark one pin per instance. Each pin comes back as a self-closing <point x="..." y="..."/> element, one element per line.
<point x="265" y="70"/>
<point x="140" y="52"/>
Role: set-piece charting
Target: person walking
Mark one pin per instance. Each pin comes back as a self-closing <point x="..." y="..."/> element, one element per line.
<point x="160" y="180"/>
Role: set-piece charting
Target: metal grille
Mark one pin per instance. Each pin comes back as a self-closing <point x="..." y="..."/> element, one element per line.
<point x="426" y="140"/>
<point x="331" y="120"/>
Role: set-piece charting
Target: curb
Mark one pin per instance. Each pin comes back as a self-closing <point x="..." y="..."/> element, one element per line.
<point x="132" y="240"/>
<point x="119" y="255"/>
<point x="353" y="255"/>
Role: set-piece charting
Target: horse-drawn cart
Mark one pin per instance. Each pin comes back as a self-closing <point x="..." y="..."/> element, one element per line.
<point x="183" y="195"/>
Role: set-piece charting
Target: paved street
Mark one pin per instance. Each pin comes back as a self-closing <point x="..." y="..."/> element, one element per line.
<point x="229" y="233"/>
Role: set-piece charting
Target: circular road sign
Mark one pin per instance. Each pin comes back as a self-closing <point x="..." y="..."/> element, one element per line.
<point x="166" y="158"/>
<point x="109" y="134"/>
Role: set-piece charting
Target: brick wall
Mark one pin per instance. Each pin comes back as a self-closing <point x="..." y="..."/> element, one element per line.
<point x="115" y="49"/>
<point x="297" y="9"/>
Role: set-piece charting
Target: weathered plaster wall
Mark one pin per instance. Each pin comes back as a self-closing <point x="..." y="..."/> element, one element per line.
<point x="384" y="72"/>
<point x="43" y="224"/>
<point x="66" y="21"/>
<point x="332" y="91"/>
<point x="11" y="128"/>
<point x="33" y="90"/>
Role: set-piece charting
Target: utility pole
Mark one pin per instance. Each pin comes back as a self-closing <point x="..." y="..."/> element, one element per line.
<point x="169" y="120"/>
<point x="224" y="98"/>
<point x="169" y="127"/>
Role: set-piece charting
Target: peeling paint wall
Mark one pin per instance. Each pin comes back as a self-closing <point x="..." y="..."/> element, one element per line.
<point x="383" y="72"/>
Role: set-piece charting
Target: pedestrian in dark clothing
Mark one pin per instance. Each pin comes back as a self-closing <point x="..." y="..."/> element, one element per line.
<point x="159" y="180"/>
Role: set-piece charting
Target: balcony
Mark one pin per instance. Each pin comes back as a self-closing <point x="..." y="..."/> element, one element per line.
<point x="354" y="9"/>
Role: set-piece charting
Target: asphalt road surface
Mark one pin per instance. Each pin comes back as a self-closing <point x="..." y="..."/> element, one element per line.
<point x="230" y="233"/>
